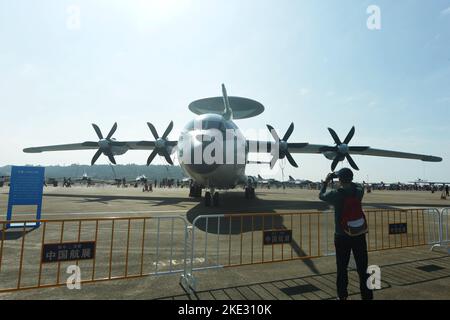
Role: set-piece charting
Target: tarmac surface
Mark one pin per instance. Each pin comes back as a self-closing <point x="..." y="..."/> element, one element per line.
<point x="407" y="273"/>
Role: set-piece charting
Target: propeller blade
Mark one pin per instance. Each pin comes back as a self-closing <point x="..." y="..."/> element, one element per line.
<point x="111" y="132"/>
<point x="352" y="163"/>
<point x="153" y="130"/>
<point x="291" y="160"/>
<point x="273" y="133"/>
<point x="273" y="161"/>
<point x="335" y="163"/>
<point x="335" y="136"/>
<point x="151" y="157"/>
<point x="98" y="131"/>
<point x="167" y="156"/>
<point x="288" y="132"/>
<point x="96" y="156"/>
<point x="349" y="135"/>
<point x="168" y="130"/>
<point x="111" y="158"/>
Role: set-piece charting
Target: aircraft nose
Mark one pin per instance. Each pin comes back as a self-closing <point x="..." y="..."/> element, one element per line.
<point x="206" y="136"/>
<point x="202" y="137"/>
<point x="195" y="162"/>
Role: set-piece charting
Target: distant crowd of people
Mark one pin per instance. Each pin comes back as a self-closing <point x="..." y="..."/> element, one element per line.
<point x="147" y="186"/>
<point x="67" y="182"/>
<point x="407" y="187"/>
<point x="308" y="186"/>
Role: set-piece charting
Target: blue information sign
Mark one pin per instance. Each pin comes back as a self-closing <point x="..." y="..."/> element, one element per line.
<point x="26" y="188"/>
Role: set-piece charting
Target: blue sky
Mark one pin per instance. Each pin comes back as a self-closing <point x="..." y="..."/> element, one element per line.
<point x="311" y="62"/>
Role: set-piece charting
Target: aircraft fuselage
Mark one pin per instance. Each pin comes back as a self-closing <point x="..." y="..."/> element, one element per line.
<point x="213" y="152"/>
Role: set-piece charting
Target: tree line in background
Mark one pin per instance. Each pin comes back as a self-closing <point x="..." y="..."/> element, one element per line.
<point x="129" y="171"/>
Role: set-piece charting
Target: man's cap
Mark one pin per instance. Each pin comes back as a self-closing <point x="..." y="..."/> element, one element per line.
<point x="345" y="174"/>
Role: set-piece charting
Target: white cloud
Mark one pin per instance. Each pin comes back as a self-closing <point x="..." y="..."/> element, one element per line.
<point x="445" y="12"/>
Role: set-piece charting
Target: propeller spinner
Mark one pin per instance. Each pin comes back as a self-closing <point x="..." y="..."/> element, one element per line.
<point x="105" y="144"/>
<point x="342" y="150"/>
<point x="161" y="144"/>
<point x="282" y="146"/>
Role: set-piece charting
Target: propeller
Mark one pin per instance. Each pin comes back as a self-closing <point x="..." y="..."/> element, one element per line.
<point x="342" y="150"/>
<point x="282" y="146"/>
<point x="161" y="144"/>
<point x="104" y="144"/>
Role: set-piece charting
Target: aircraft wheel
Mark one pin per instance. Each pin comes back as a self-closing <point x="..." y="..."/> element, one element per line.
<point x="195" y="192"/>
<point x="216" y="199"/>
<point x="207" y="199"/>
<point x="252" y="193"/>
<point x="247" y="193"/>
<point x="198" y="192"/>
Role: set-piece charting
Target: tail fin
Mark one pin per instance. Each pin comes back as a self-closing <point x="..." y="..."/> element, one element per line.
<point x="259" y="177"/>
<point x="291" y="179"/>
<point x="227" y="112"/>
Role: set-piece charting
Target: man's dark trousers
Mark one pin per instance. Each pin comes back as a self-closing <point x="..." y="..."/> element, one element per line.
<point x="344" y="246"/>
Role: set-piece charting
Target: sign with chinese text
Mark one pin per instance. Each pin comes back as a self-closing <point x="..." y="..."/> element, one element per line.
<point x="277" y="237"/>
<point x="398" y="228"/>
<point x="70" y="251"/>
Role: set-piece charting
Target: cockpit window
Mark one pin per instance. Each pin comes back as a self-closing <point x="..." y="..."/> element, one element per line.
<point x="212" y="125"/>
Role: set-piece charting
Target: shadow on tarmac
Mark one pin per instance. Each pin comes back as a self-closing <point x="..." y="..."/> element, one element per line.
<point x="322" y="286"/>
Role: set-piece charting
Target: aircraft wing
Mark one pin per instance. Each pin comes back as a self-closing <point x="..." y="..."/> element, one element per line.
<point x="266" y="147"/>
<point x="147" y="145"/>
<point x="366" y="151"/>
<point x="90" y="145"/>
<point x="63" y="147"/>
<point x="430" y="182"/>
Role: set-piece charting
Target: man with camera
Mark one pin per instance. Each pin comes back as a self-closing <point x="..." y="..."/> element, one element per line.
<point x="350" y="230"/>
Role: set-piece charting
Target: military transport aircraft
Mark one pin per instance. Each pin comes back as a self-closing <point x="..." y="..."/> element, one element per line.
<point x="205" y="141"/>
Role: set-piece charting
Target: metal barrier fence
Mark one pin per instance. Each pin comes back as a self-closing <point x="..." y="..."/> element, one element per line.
<point x="124" y="248"/>
<point x="134" y="247"/>
<point x="391" y="229"/>
<point x="445" y="222"/>
<point x="246" y="239"/>
<point x="444" y="229"/>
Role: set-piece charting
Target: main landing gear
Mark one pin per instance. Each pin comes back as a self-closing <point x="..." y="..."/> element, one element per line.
<point x="214" y="198"/>
<point x="195" y="191"/>
<point x="211" y="196"/>
<point x="249" y="193"/>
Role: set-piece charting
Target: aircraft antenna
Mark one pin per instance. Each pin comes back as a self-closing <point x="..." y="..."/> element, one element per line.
<point x="282" y="165"/>
<point x="227" y="113"/>
<point x="114" y="171"/>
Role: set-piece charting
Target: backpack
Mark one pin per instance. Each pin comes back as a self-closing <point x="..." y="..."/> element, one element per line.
<point x="353" y="220"/>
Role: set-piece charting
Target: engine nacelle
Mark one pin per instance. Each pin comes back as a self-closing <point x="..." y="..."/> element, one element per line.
<point x="330" y="155"/>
